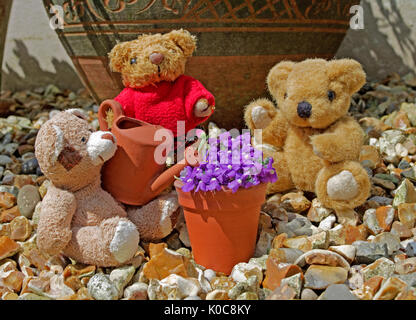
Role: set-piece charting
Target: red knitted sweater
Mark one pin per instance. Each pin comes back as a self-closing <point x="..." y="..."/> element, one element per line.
<point x="165" y="103"/>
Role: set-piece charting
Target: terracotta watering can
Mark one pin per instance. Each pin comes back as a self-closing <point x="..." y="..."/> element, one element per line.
<point x="133" y="176"/>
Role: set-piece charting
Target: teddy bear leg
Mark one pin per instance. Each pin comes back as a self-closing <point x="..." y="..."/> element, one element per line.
<point x="156" y="219"/>
<point x="113" y="242"/>
<point x="344" y="185"/>
<point x="284" y="180"/>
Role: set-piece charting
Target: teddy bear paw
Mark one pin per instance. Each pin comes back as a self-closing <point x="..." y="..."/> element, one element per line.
<point x="125" y="241"/>
<point x="202" y="108"/>
<point x="342" y="186"/>
<point x="260" y="117"/>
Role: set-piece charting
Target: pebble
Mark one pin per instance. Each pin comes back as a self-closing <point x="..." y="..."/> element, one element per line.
<point x="121" y="276"/>
<point x="8" y="247"/>
<point x="217" y="295"/>
<point x="9" y="189"/>
<point x="287" y="255"/>
<point x="347" y="217"/>
<point x="318" y="212"/>
<point x="406" y="266"/>
<point x="4" y="160"/>
<point x="379" y="220"/>
<point x="283" y="292"/>
<point x="20" y="228"/>
<point x="30" y="166"/>
<point x="407" y="214"/>
<point x="390" y="289"/>
<point x="100" y="287"/>
<point x="137" y="291"/>
<point x="367" y="252"/>
<point x="308" y="294"/>
<point x="263" y="244"/>
<point x="346" y="251"/>
<point x="242" y="271"/>
<point x="250" y="285"/>
<point x="337" y="292"/>
<point x="299" y="226"/>
<point x="295" y="282"/>
<point x="411" y="249"/>
<point x="276" y="271"/>
<point x="328" y="222"/>
<point x="27" y="200"/>
<point x="319" y="240"/>
<point x="164" y="262"/>
<point x="9" y="214"/>
<point x="173" y="287"/>
<point x="382" y="267"/>
<point x="405" y="193"/>
<point x="390" y="240"/>
<point x="300" y="243"/>
<point x="7" y="200"/>
<point x="320" y="277"/>
<point x="294" y="202"/>
<point x="400" y="230"/>
<point x="322" y="257"/>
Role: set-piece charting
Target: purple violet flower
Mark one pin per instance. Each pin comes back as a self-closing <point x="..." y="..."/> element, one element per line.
<point x="229" y="162"/>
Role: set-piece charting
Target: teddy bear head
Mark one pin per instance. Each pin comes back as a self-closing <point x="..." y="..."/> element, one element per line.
<point x="315" y="93"/>
<point x="152" y="57"/>
<point x="69" y="153"/>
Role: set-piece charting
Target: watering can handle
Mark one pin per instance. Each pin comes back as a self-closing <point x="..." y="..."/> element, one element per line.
<point x="102" y="112"/>
<point x="167" y="177"/>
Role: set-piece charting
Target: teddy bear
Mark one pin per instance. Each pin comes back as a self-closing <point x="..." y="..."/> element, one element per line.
<point x="156" y="90"/>
<point x="315" y="145"/>
<point x="77" y="216"/>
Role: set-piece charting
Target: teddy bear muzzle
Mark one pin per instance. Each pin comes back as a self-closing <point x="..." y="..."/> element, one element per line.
<point x="101" y="146"/>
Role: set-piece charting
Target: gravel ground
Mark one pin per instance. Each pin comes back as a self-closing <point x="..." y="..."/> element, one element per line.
<point x="304" y="251"/>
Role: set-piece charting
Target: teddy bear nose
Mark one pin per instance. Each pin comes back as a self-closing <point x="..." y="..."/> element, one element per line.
<point x="108" y="136"/>
<point x="304" y="109"/>
<point x="156" y="58"/>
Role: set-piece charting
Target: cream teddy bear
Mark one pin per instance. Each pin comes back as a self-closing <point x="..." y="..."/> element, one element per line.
<point x="77" y="216"/>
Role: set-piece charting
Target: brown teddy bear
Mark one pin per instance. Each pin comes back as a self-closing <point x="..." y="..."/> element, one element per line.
<point x="314" y="143"/>
<point x="157" y="91"/>
<point x="77" y="216"/>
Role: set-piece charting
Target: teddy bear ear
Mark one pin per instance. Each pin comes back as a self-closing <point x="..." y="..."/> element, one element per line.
<point x="117" y="56"/>
<point x="184" y="40"/>
<point x="348" y="72"/>
<point x="278" y="75"/>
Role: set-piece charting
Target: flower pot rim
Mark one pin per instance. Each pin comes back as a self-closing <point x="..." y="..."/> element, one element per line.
<point x="178" y="185"/>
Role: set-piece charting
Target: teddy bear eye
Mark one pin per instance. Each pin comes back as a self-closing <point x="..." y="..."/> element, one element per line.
<point x="133" y="60"/>
<point x="331" y="95"/>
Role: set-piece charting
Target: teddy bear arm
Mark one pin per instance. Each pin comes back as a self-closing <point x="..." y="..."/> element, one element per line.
<point x="342" y="141"/>
<point x="259" y="113"/>
<point x="54" y="228"/>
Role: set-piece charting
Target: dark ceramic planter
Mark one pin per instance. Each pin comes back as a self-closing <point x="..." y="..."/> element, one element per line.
<point x="238" y="40"/>
<point x="5" y="6"/>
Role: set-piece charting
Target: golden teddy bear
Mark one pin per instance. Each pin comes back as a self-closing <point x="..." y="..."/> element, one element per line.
<point x="314" y="143"/>
<point x="77" y="216"/>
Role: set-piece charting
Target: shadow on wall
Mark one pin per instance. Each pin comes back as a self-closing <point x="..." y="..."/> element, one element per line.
<point x="372" y="47"/>
<point x="64" y="74"/>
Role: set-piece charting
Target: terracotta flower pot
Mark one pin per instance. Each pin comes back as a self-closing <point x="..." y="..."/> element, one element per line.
<point x="238" y="41"/>
<point x="222" y="225"/>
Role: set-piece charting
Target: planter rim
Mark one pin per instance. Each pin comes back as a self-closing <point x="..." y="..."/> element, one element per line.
<point x="178" y="185"/>
<point x="221" y="201"/>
